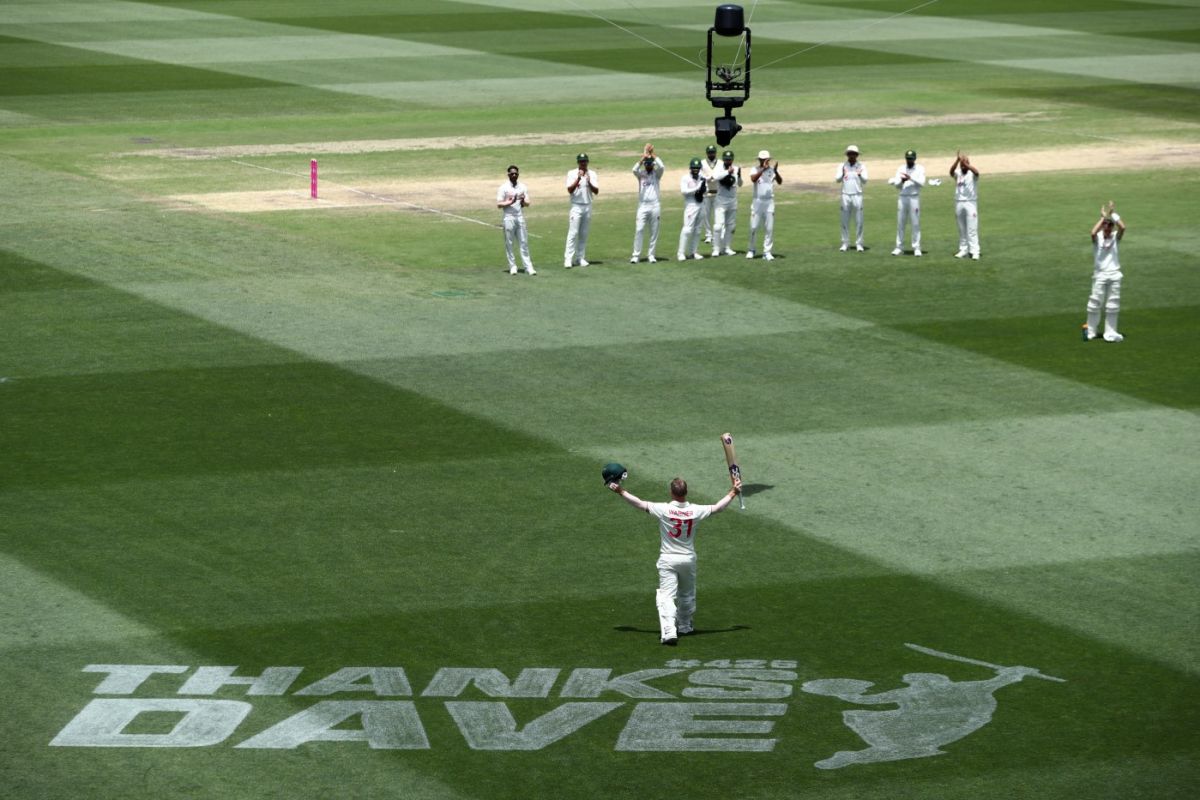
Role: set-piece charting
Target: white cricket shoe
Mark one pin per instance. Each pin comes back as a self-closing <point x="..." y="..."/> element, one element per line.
<point x="512" y="271"/>
<point x="859" y="247"/>
<point x="897" y="252"/>
<point x="1113" y="336"/>
<point x="568" y="264"/>
<point x="633" y="260"/>
<point x="716" y="253"/>
<point x="530" y="271"/>
<point x="768" y="257"/>
<point x="583" y="262"/>
<point x="680" y="257"/>
<point x="749" y="254"/>
<point x="708" y="238"/>
<point x="917" y="252"/>
<point x="652" y="260"/>
<point x="698" y="257"/>
<point x="974" y="256"/>
<point x="730" y="252"/>
<point x="961" y="254"/>
<point x="843" y="248"/>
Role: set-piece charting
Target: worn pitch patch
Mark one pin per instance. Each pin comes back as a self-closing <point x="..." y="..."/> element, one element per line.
<point x="479" y="194"/>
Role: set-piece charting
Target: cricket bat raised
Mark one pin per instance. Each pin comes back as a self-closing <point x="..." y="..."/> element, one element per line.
<point x="731" y="459"/>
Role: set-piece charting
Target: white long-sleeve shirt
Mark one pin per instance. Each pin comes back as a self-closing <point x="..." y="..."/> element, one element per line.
<point x="912" y="186"/>
<point x="852" y="177"/>
<point x="764" y="187"/>
<point x="689" y="185"/>
<point x="964" y="186"/>
<point x="648" y="181"/>
<point x="724" y="192"/>
<point x="1107" y="259"/>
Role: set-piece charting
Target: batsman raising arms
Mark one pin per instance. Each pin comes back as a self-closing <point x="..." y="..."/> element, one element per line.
<point x="677" y="522"/>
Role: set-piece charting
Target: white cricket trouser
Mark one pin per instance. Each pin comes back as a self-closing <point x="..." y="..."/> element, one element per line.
<point x="908" y="209"/>
<point x="577" y="233"/>
<point x="514" y="229"/>
<point x="647" y="214"/>
<point x="852" y="202"/>
<point x="676" y="596"/>
<point x="967" y="214"/>
<point x="762" y="215"/>
<point x="1106" y="293"/>
<point x="690" y="235"/>
<point x="724" y="224"/>
<point x="709" y="199"/>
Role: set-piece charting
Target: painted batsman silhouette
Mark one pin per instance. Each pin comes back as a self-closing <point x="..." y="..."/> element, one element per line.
<point x="932" y="711"/>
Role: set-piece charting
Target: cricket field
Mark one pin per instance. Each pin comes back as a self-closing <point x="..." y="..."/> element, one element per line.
<point x="301" y="497"/>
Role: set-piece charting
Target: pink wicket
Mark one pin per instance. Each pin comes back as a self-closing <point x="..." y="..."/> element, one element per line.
<point x="313" y="179"/>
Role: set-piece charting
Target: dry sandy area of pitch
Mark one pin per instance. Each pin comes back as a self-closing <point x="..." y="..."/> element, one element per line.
<point x="476" y="197"/>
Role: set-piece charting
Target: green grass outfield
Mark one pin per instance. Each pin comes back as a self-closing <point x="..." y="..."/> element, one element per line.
<point x="334" y="436"/>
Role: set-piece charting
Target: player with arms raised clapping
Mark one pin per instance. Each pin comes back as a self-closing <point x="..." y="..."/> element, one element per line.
<point x="677" y="522"/>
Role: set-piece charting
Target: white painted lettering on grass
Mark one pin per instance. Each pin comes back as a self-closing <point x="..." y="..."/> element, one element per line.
<point x="203" y="723"/>
<point x="383" y="681"/>
<point x="386" y="725"/>
<point x="491" y="726"/>
<point x="272" y="681"/>
<point x="453" y="681"/>
<point x="696" y="706"/>
<point x="673" y="727"/>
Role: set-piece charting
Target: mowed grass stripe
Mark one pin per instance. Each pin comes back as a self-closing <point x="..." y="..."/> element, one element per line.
<point x="763" y="384"/>
<point x="1179" y="68"/>
<point x="39" y="611"/>
<point x="295" y="45"/>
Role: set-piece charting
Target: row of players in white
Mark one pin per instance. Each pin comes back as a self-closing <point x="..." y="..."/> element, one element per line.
<point x="718" y="203"/>
<point x="909" y="180"/>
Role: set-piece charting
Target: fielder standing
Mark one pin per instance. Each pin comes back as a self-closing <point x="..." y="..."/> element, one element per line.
<point x="708" y="169"/>
<point x="513" y="197"/>
<point x="677" y="521"/>
<point x="1106" y="275"/>
<point x="908" y="180"/>
<point x="582" y="183"/>
<point x="966" y="206"/>
<point x="694" y="189"/>
<point x="729" y="179"/>
<point x="762" y="207"/>
<point x="853" y="177"/>
<point x="649" y="172"/>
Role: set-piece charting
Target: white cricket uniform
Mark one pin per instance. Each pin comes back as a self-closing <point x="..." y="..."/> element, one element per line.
<point x="676" y="596"/>
<point x="966" y="210"/>
<point x="649" y="209"/>
<point x="514" y="224"/>
<point x="762" y="210"/>
<point x="908" y="204"/>
<point x="580" y="219"/>
<point x="853" y="178"/>
<point x="693" y="209"/>
<point x="1106" y="284"/>
<point x="725" y="208"/>
<point x="707" y="171"/>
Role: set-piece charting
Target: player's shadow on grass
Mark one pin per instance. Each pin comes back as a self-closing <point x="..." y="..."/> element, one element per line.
<point x="696" y="632"/>
<point x="754" y="488"/>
